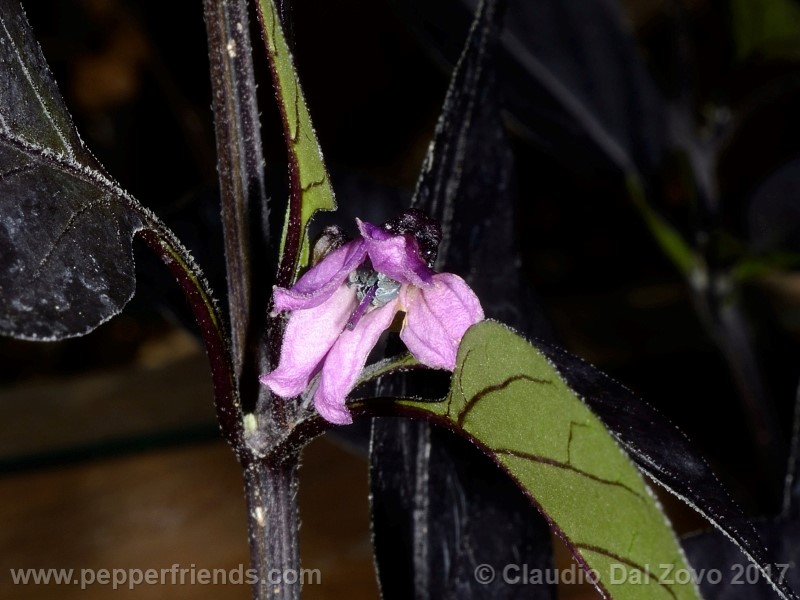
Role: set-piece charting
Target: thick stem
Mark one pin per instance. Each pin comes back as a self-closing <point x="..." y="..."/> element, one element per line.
<point x="271" y="487"/>
<point x="271" y="483"/>
<point x="240" y="162"/>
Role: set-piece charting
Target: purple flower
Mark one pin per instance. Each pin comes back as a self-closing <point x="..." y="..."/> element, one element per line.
<point x="341" y="306"/>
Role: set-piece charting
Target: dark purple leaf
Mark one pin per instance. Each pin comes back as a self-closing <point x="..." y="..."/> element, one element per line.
<point x="573" y="80"/>
<point x="441" y="508"/>
<point x="664" y="454"/>
<point x="467" y="184"/>
<point x="66" y="227"/>
<point x="724" y="573"/>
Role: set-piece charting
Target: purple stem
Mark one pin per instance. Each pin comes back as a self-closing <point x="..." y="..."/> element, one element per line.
<point x="226" y="398"/>
<point x="240" y="159"/>
<point x="270" y="482"/>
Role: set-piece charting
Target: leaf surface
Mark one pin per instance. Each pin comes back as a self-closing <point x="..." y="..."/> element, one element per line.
<point x="508" y="398"/>
<point x="767" y="28"/>
<point x="440" y="508"/>
<point x="664" y="454"/>
<point x="66" y="227"/>
<point x="724" y="573"/>
<point x="310" y="187"/>
<point x="574" y="83"/>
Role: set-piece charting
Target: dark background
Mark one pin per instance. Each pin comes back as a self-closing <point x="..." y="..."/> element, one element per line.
<point x="134" y="75"/>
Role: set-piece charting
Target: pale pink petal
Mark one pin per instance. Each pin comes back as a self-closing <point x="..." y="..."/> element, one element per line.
<point x="321" y="280"/>
<point x="437" y="318"/>
<point x="345" y="361"/>
<point x="310" y="333"/>
<point x="397" y="256"/>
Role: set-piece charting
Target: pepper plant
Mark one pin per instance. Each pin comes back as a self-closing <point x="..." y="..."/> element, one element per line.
<point x="290" y="349"/>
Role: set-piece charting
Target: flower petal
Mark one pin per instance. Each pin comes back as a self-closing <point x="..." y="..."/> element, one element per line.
<point x="437" y="318"/>
<point x="321" y="280"/>
<point x="397" y="256"/>
<point x="345" y="361"/>
<point x="310" y="333"/>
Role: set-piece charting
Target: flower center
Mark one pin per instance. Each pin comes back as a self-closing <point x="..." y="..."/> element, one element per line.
<point x="373" y="290"/>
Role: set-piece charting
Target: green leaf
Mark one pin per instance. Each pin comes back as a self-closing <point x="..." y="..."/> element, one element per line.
<point x="754" y="267"/>
<point x="770" y="28"/>
<point x="310" y="188"/>
<point x="509" y="399"/>
<point x="668" y="238"/>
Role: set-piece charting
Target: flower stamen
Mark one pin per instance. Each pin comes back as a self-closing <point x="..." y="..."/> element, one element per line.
<point x="357" y="290"/>
<point x="373" y="290"/>
<point x="386" y="290"/>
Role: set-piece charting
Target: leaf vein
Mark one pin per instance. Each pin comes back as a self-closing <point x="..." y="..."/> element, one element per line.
<point x="16" y="171"/>
<point x="569" y="441"/>
<point x="568" y="467"/>
<point x="472" y="402"/>
<point x="313" y="184"/>
<point x="26" y="72"/>
<point x="626" y="561"/>
<point x="80" y="212"/>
